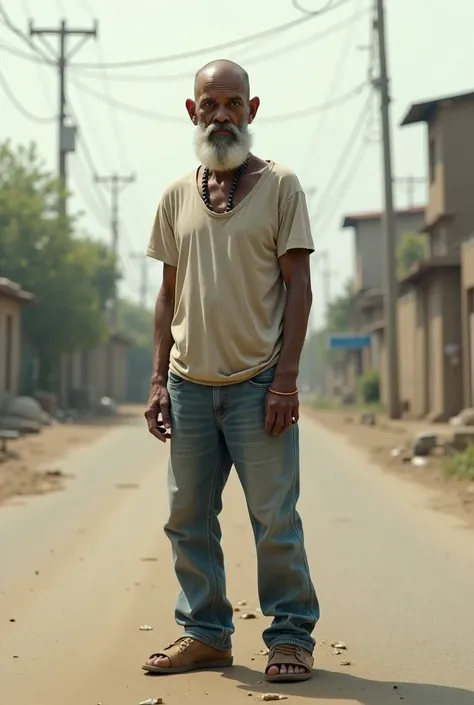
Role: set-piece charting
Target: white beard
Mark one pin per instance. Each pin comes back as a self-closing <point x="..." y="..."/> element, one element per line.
<point x="222" y="152"/>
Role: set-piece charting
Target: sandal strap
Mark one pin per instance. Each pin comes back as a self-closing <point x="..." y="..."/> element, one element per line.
<point x="290" y="655"/>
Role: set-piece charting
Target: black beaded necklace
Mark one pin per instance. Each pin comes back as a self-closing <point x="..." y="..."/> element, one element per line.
<point x="230" y="201"/>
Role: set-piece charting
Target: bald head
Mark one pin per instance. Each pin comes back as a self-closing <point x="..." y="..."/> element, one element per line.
<point x="221" y="70"/>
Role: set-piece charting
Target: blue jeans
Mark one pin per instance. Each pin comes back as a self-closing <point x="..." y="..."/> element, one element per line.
<point x="212" y="429"/>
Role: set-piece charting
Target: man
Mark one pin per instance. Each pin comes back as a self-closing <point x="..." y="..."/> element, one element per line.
<point x="230" y="323"/>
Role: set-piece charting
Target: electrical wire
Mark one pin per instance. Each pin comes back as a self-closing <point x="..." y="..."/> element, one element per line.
<point x="19" y="33"/>
<point x="259" y="58"/>
<point x="343" y="157"/>
<point x="20" y="107"/>
<point x="206" y="50"/>
<point x="336" y="79"/>
<point x="23" y="55"/>
<point x="312" y="13"/>
<point x="172" y="119"/>
<point x="323" y="107"/>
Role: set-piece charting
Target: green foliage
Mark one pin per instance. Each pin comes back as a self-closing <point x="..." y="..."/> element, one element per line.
<point x="339" y="314"/>
<point x="462" y="464"/>
<point x="137" y="324"/>
<point x="412" y="249"/>
<point x="369" y="387"/>
<point x="71" y="278"/>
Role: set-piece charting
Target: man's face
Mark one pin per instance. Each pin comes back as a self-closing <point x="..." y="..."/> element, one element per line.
<point x="222" y="113"/>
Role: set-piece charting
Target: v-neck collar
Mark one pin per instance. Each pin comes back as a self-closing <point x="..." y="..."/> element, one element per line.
<point x="268" y="169"/>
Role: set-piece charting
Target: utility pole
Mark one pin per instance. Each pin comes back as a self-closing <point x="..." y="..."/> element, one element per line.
<point x="66" y="133"/>
<point x="117" y="185"/>
<point x="410" y="182"/>
<point x="389" y="231"/>
<point x="143" y="259"/>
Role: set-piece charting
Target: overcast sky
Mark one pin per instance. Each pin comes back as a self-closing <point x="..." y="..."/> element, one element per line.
<point x="430" y="54"/>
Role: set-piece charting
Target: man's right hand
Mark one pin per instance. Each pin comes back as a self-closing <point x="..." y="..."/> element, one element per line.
<point x="157" y="413"/>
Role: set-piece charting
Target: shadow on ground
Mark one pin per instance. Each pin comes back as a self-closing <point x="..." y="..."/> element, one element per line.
<point x="331" y="685"/>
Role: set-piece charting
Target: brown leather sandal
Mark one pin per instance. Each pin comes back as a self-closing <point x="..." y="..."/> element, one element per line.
<point x="186" y="655"/>
<point x="289" y="655"/>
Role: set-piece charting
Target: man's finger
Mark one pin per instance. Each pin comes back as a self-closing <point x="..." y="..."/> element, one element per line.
<point x="279" y="423"/>
<point x="269" y="419"/>
<point x="157" y="433"/>
<point x="165" y="414"/>
<point x="287" y="422"/>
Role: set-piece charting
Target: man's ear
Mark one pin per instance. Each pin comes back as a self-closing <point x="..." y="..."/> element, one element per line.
<point x="253" y="109"/>
<point x="191" y="108"/>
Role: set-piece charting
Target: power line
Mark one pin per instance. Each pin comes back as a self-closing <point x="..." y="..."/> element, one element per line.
<point x="352" y="172"/>
<point x="339" y="69"/>
<point x="20" y="107"/>
<point x="151" y="114"/>
<point x="313" y="13"/>
<point x="207" y="50"/>
<point x="265" y="56"/>
<point x="23" y="55"/>
<point x="13" y="28"/>
<point x="345" y="153"/>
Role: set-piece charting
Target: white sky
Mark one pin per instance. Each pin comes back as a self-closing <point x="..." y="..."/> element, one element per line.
<point x="430" y="54"/>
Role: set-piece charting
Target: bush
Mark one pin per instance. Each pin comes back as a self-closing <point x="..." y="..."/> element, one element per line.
<point x="462" y="464"/>
<point x="369" y="387"/>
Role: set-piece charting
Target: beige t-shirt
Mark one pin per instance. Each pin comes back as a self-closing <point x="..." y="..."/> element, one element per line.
<point x="230" y="295"/>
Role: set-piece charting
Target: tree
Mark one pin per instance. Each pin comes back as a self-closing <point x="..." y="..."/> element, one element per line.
<point x="339" y="313"/>
<point x="137" y="324"/>
<point x="411" y="250"/>
<point x="71" y="278"/>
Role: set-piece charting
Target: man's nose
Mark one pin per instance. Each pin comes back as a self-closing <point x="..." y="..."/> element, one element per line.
<point x="221" y="114"/>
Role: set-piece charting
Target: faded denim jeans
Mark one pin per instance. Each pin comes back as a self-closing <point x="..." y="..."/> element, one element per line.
<point x="212" y="429"/>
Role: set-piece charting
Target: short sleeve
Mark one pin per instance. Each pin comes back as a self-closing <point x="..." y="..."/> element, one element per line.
<point x="162" y="245"/>
<point x="294" y="231"/>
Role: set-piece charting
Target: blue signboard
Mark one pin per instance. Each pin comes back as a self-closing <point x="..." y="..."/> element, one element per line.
<point x="349" y="341"/>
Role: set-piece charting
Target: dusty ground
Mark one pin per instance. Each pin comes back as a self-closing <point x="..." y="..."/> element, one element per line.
<point x="29" y="468"/>
<point x="452" y="495"/>
<point x="89" y="566"/>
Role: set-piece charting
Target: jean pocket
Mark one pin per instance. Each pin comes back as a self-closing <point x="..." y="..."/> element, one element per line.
<point x="175" y="381"/>
<point x="264" y="379"/>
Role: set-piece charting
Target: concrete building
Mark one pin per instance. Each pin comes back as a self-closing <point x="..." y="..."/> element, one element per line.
<point x="88" y="375"/>
<point x="368" y="314"/>
<point x="432" y="329"/>
<point x="12" y="300"/>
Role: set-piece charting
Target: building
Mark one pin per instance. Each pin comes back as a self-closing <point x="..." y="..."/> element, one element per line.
<point x="430" y="319"/>
<point x="88" y="375"/>
<point x="12" y="300"/>
<point x="368" y="313"/>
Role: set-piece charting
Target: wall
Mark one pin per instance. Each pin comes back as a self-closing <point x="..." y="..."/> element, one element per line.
<point x="407" y="330"/>
<point x="467" y="308"/>
<point x="452" y="365"/>
<point x="10" y="307"/>
<point x="369" y="248"/>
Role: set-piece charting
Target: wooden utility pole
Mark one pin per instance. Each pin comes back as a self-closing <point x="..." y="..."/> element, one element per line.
<point x="66" y="133"/>
<point x="117" y="185"/>
<point x="389" y="230"/>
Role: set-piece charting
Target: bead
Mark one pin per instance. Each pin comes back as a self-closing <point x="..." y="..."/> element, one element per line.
<point x="206" y="197"/>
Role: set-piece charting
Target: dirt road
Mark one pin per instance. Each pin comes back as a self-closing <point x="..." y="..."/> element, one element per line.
<point x="80" y="571"/>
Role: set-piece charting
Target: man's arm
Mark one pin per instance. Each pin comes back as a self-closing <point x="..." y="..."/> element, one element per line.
<point x="162" y="338"/>
<point x="281" y="410"/>
<point x="295" y="271"/>
<point x="158" y="404"/>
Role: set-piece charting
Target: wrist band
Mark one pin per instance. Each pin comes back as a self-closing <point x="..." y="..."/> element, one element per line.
<point x="283" y="394"/>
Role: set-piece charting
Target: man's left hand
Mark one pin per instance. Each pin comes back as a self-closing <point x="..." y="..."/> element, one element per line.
<point x="281" y="412"/>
